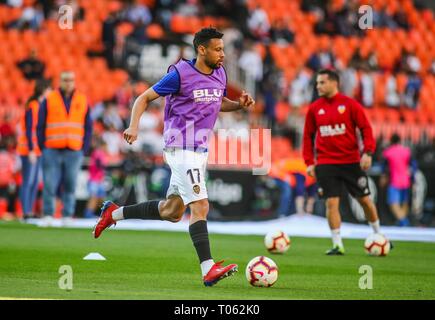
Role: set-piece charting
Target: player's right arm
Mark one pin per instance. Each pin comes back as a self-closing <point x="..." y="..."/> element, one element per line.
<point x="139" y="107"/>
<point x="169" y="84"/>
<point x="308" y="142"/>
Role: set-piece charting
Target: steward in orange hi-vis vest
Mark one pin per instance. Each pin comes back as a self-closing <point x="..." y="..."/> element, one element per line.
<point x="65" y="129"/>
<point x="23" y="146"/>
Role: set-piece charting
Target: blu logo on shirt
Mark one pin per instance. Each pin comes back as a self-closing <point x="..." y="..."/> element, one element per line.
<point x="207" y="95"/>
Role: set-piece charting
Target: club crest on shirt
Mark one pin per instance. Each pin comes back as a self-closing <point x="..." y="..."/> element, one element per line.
<point x="341" y="108"/>
<point x="196" y="189"/>
<point x="321" y="112"/>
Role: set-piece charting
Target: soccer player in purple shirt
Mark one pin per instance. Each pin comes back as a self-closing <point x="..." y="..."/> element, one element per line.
<point x="195" y="94"/>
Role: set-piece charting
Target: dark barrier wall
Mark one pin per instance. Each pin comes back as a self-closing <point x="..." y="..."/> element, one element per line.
<point x="239" y="195"/>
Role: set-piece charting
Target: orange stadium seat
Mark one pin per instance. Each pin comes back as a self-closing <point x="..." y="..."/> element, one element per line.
<point x="154" y="31"/>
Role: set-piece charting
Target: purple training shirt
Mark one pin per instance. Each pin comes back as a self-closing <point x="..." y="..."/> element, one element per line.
<point x="190" y="114"/>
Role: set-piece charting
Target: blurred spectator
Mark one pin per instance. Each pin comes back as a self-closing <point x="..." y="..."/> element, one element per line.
<point x="8" y="167"/>
<point x="372" y="61"/>
<point x="7" y="132"/>
<point x="356" y="60"/>
<point x="382" y="19"/>
<point x="304" y="185"/>
<point x="137" y="12"/>
<point x="32" y="67"/>
<point x="349" y="81"/>
<point x="398" y="165"/>
<point x="281" y="33"/>
<point x="367" y="88"/>
<point x="392" y="97"/>
<point x="109" y="38"/>
<point x="270" y="92"/>
<point x="327" y="21"/>
<point x="14" y="3"/>
<point x="300" y="89"/>
<point x="413" y="63"/>
<point x="139" y="35"/>
<point x="28" y="149"/>
<point x="97" y="168"/>
<point x="412" y="91"/>
<point x="233" y="39"/>
<point x="258" y="23"/>
<point x="124" y="95"/>
<point x="408" y="62"/>
<point x="322" y="59"/>
<point x="163" y="12"/>
<point x="190" y="8"/>
<point x="251" y="63"/>
<point x="47" y="7"/>
<point x="114" y="141"/>
<point x="284" y="181"/>
<point x="347" y="19"/>
<point x="400" y="18"/>
<point x="31" y="18"/>
<point x="111" y="116"/>
<point x="150" y="138"/>
<point x="316" y="6"/>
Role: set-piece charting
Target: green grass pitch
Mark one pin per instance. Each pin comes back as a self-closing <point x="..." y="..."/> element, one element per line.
<point x="163" y="265"/>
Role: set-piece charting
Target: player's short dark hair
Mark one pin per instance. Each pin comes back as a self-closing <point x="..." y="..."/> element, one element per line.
<point x="332" y="75"/>
<point x="203" y="36"/>
<point x="395" y="138"/>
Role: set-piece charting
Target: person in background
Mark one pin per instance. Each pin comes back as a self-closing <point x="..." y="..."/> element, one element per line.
<point x="283" y="179"/>
<point x="332" y="155"/>
<point x="7" y="181"/>
<point x="97" y="172"/>
<point x="28" y="150"/>
<point x="398" y="164"/>
<point x="32" y="67"/>
<point x="64" y="134"/>
<point x="297" y="167"/>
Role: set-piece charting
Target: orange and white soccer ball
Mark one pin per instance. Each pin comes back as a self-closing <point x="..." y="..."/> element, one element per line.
<point x="277" y="241"/>
<point x="261" y="272"/>
<point x="377" y="245"/>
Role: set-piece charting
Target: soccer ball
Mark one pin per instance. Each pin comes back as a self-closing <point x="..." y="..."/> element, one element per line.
<point x="377" y="245"/>
<point x="261" y="272"/>
<point x="277" y="242"/>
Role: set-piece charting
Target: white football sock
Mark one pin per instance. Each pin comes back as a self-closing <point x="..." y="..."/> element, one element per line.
<point x="206" y="266"/>
<point x="376" y="226"/>
<point x="118" y="214"/>
<point x="336" y="238"/>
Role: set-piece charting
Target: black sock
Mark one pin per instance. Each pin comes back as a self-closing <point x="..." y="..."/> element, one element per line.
<point x="199" y="234"/>
<point x="146" y="210"/>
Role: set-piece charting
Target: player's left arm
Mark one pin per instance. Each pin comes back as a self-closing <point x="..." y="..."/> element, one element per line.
<point x="245" y="101"/>
<point x="367" y="134"/>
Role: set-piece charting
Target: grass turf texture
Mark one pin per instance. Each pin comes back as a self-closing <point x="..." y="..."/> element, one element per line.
<point x="163" y="265"/>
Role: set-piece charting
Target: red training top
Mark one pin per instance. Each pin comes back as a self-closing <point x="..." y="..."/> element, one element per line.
<point x="332" y="122"/>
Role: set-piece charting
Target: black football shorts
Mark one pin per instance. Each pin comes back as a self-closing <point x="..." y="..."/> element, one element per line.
<point x="331" y="178"/>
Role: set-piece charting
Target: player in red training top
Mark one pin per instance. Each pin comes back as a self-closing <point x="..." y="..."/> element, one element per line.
<point x="330" y="132"/>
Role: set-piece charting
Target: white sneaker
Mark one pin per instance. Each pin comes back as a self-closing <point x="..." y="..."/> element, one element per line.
<point x="46" y="221"/>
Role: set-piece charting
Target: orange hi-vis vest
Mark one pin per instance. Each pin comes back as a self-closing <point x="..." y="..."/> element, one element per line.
<point x="65" y="130"/>
<point x="23" y="145"/>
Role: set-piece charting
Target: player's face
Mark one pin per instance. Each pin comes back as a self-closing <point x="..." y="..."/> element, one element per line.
<point x="325" y="86"/>
<point x="214" y="53"/>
